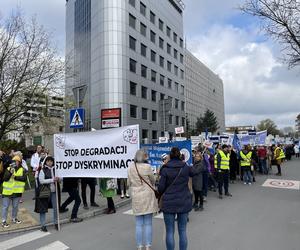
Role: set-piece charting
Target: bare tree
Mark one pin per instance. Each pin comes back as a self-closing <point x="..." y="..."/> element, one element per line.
<point x="281" y="21"/>
<point x="29" y="69"/>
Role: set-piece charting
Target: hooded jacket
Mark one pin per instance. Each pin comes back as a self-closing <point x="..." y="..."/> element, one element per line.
<point x="177" y="198"/>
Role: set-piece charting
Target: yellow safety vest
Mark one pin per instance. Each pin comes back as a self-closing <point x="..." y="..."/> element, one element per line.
<point x="281" y="154"/>
<point x="224" y="160"/>
<point x="12" y="186"/>
<point x="246" y="159"/>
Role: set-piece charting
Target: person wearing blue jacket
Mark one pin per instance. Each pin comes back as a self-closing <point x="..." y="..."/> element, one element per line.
<point x="176" y="198"/>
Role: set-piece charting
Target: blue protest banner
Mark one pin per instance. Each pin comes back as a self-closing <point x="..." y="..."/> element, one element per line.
<point x="155" y="151"/>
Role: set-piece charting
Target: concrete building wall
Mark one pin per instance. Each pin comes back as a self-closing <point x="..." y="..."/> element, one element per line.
<point x="203" y="90"/>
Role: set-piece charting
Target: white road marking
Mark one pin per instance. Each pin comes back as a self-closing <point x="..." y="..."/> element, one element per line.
<point x="55" y="246"/>
<point x="284" y="184"/>
<point x="23" y="239"/>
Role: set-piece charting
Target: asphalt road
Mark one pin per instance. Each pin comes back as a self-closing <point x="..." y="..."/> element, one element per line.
<point x="256" y="217"/>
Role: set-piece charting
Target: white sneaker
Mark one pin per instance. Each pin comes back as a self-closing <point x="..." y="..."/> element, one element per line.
<point x="250" y="183"/>
<point x="16" y="221"/>
<point x="245" y="183"/>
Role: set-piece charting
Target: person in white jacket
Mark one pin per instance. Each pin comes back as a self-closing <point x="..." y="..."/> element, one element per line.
<point x="46" y="178"/>
<point x="35" y="158"/>
<point x="296" y="149"/>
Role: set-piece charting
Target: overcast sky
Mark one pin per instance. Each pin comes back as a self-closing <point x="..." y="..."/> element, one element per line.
<point x="257" y="85"/>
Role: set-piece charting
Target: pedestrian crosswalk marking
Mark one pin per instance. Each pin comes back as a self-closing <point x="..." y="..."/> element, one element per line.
<point x="158" y="216"/>
<point x="54" y="246"/>
<point x="23" y="239"/>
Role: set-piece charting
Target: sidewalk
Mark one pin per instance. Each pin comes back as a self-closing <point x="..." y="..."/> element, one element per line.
<point x="30" y="219"/>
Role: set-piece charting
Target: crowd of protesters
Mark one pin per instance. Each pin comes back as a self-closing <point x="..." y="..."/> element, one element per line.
<point x="178" y="187"/>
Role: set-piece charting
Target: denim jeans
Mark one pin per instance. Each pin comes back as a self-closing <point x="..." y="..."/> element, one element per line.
<point x="143" y="230"/>
<point x="263" y="164"/>
<point x="223" y="181"/>
<point x="43" y="215"/>
<point x="247" y="176"/>
<point x="15" y="207"/>
<point x="170" y="230"/>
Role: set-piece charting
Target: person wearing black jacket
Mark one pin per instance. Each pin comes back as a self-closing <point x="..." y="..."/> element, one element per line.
<point x="197" y="181"/>
<point x="70" y="185"/>
<point x="233" y="165"/>
<point x="176" y="197"/>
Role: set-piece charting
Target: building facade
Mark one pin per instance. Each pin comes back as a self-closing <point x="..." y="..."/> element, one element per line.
<point x="127" y="54"/>
<point x="203" y="90"/>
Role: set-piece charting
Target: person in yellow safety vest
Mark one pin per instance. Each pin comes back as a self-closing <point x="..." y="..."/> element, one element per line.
<point x="13" y="187"/>
<point x="246" y="161"/>
<point x="222" y="167"/>
<point x="278" y="157"/>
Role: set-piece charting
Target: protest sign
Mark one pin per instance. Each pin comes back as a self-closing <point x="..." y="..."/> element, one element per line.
<point x="101" y="153"/>
<point x="155" y="151"/>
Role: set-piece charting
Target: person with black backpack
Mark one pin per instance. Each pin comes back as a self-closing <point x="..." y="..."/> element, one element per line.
<point x="46" y="192"/>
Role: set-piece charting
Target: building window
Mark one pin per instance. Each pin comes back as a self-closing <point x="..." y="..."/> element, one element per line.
<point x="177" y="87"/>
<point x="181" y="74"/>
<point x="161" y="61"/>
<point x="181" y="89"/>
<point x="153" y="95"/>
<point x="152" y="36"/>
<point x="169" y="49"/>
<point x="152" y="17"/>
<point x="176" y="70"/>
<point x="170" y="119"/>
<point x="132" y="2"/>
<point x="176" y="103"/>
<point x="143" y="50"/>
<point x="154" y="135"/>
<point x="144" y="92"/>
<point x="162" y="80"/>
<point x="132" y="65"/>
<point x="133" y="88"/>
<point x="162" y="96"/>
<point x="161" y="43"/>
<point x="153" y="56"/>
<point x="144" y="133"/>
<point x="144" y="114"/>
<point x="153" y="76"/>
<point x="183" y="121"/>
<point x="154" y="115"/>
<point x="168" y="31"/>
<point x="133" y="111"/>
<point x="143" y="9"/>
<point x="144" y="71"/>
<point x="181" y="58"/>
<point x="161" y="25"/>
<point x="132" y="21"/>
<point x="182" y="106"/>
<point x="169" y="83"/>
<point x="177" y="120"/>
<point x="132" y="43"/>
<point x="169" y="66"/>
<point x="143" y="29"/>
<point x="181" y="43"/>
<point x="174" y="37"/>
<point x="175" y="54"/>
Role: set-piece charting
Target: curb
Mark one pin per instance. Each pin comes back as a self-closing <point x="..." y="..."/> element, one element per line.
<point x="87" y="215"/>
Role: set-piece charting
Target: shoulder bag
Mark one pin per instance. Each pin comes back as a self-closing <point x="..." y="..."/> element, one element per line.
<point x="143" y="180"/>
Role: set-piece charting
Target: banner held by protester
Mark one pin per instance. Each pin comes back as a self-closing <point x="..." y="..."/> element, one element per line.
<point x="103" y="153"/>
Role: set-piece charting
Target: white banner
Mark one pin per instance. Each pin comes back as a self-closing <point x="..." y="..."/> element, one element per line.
<point x="101" y="153"/>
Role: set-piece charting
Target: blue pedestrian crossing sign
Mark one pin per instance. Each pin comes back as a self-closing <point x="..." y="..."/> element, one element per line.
<point x="77" y="118"/>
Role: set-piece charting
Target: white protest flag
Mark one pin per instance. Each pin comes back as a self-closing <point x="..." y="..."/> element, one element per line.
<point x="101" y="153"/>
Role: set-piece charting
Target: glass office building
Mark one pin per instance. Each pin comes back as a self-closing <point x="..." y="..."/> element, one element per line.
<point x="127" y="54"/>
